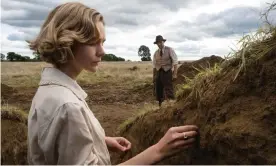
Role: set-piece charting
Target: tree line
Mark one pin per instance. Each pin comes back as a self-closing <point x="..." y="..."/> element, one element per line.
<point x="143" y="52"/>
<point x="14" y="57"/>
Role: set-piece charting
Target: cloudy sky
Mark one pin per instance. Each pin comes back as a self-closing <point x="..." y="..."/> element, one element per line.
<point x="194" y="28"/>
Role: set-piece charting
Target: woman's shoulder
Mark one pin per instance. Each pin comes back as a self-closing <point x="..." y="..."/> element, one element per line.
<point x="55" y="96"/>
<point x="53" y="102"/>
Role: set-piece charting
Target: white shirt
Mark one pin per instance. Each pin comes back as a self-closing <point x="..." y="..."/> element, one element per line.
<point x="61" y="127"/>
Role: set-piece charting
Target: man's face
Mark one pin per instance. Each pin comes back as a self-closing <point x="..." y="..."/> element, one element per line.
<point x="160" y="44"/>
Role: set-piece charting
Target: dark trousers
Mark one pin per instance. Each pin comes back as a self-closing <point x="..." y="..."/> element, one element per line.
<point x="164" y="85"/>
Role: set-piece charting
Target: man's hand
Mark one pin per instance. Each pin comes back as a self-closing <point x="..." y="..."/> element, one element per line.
<point x="174" y="72"/>
<point x="117" y="143"/>
<point x="174" y="76"/>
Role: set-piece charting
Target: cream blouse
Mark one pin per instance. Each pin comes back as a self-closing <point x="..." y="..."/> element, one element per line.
<point x="62" y="130"/>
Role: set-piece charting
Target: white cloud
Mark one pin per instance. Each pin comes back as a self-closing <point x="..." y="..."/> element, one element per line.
<point x="131" y="23"/>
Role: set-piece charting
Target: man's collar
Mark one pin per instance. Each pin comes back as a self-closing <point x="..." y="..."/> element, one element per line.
<point x="162" y="48"/>
<point x="53" y="76"/>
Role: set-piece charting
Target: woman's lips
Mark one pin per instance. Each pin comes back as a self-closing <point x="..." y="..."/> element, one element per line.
<point x="96" y="63"/>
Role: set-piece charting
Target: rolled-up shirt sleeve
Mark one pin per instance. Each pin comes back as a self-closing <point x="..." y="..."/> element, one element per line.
<point x="174" y="57"/>
<point x="75" y="143"/>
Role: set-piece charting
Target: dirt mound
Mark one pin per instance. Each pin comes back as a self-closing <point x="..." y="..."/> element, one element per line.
<point x="13" y="136"/>
<point x="190" y="69"/>
<point x="236" y="116"/>
<point x="6" y="92"/>
<point x="13" y="143"/>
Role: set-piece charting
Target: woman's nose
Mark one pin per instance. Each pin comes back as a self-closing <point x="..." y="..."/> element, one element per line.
<point x="100" y="51"/>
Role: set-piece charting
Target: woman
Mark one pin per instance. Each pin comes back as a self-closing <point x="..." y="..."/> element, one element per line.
<point x="61" y="127"/>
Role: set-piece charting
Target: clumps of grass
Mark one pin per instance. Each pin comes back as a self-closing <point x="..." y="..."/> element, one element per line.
<point x="9" y="112"/>
<point x="13" y="143"/>
<point x="13" y="136"/>
<point x="133" y="68"/>
<point x="254" y="46"/>
<point x="127" y="124"/>
<point x="183" y="90"/>
<point x="196" y="86"/>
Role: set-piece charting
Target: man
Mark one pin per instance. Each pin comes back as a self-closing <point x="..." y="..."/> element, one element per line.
<point x="164" y="70"/>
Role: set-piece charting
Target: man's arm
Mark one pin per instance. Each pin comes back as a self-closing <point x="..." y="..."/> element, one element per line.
<point x="174" y="62"/>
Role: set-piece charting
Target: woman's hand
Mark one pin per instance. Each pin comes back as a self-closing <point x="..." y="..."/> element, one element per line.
<point x="176" y="139"/>
<point x="117" y="143"/>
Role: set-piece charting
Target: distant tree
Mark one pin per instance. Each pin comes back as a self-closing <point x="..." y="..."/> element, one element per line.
<point x="25" y="58"/>
<point x="144" y="53"/>
<point x="36" y="56"/>
<point x="112" y="57"/>
<point x="146" y="58"/>
<point x="2" y="57"/>
<point x="21" y="58"/>
<point x="11" y="56"/>
<point x="18" y="57"/>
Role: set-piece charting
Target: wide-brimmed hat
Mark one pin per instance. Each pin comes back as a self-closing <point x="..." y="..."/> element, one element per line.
<point x="159" y="38"/>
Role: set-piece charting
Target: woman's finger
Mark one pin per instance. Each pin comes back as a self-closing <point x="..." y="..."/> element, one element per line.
<point x="184" y="135"/>
<point x="128" y="144"/>
<point x="125" y="143"/>
<point x="186" y="128"/>
<point x="180" y="143"/>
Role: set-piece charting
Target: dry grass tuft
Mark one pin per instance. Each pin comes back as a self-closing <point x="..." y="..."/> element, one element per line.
<point x="133" y="68"/>
<point x="13" y="113"/>
<point x="194" y="88"/>
<point x="13" y="136"/>
<point x="253" y="46"/>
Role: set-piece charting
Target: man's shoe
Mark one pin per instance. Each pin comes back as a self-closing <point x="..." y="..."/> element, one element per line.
<point x="160" y="103"/>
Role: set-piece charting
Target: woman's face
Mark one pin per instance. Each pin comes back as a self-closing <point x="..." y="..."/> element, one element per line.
<point x="87" y="57"/>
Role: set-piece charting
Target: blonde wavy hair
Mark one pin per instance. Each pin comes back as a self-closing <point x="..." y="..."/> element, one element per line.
<point x="66" y="26"/>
